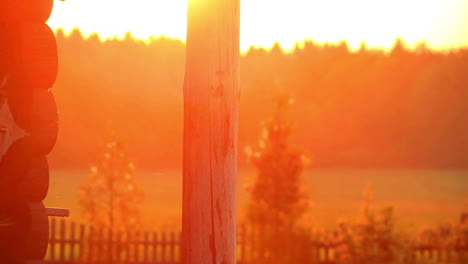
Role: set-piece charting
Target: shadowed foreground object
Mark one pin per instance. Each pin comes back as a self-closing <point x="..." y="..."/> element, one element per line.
<point x="30" y="11"/>
<point x="211" y="98"/>
<point x="29" y="127"/>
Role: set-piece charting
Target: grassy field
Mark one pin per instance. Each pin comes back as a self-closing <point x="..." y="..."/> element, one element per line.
<point x="419" y="197"/>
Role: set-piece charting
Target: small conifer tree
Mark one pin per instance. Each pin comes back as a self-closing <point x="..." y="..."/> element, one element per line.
<point x="111" y="197"/>
<point x="110" y="201"/>
<point x="277" y="201"/>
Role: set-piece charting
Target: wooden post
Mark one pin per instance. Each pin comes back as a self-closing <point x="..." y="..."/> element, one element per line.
<point x="211" y="98"/>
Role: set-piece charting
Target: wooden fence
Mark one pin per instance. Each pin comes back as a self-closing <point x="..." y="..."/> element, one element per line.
<point x="71" y="243"/>
<point x="429" y="254"/>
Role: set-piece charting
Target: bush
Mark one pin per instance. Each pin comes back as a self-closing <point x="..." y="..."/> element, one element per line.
<point x="370" y="238"/>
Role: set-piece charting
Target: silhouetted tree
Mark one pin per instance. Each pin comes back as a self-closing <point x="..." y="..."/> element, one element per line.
<point x="111" y="197"/>
<point x="110" y="201"/>
<point x="277" y="201"/>
<point x="399" y="47"/>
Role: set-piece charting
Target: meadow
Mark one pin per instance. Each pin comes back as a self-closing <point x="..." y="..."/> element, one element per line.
<point x="420" y="197"/>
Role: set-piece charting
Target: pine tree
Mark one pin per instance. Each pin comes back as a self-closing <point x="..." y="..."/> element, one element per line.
<point x="277" y="201"/>
<point x="110" y="199"/>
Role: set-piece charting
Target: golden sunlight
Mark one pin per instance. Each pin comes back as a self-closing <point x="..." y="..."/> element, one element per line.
<point x="442" y="24"/>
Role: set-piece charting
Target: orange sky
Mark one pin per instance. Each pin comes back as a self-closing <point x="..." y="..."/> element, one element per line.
<point x="442" y="23"/>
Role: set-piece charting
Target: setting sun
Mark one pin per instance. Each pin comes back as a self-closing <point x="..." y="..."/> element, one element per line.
<point x="442" y="24"/>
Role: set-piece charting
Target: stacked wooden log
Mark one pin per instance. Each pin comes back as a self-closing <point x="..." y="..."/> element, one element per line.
<point x="29" y="126"/>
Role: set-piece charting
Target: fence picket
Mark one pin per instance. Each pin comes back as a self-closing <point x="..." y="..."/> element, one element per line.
<point x="146" y="248"/>
<point x="72" y="241"/>
<point x="129" y="252"/>
<point x="171" y="248"/>
<point x="163" y="249"/>
<point x="52" y="238"/>
<point x="119" y="251"/>
<point x="137" y="246"/>
<point x="155" y="247"/>
<point x="91" y="244"/>
<point x="62" y="238"/>
<point x="81" y="242"/>
<point x="110" y="246"/>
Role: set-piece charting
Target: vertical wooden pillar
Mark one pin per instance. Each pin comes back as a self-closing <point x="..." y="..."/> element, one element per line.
<point x="211" y="98"/>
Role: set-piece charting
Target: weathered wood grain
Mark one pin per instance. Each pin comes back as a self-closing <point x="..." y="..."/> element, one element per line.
<point x="211" y="98"/>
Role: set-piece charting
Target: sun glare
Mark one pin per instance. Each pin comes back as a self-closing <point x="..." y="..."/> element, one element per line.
<point x="263" y="22"/>
<point x="114" y="18"/>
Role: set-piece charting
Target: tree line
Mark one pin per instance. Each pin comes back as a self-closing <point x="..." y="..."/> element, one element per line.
<point x="402" y="108"/>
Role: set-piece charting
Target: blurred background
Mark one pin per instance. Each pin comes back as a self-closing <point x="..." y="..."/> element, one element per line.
<point x="354" y="113"/>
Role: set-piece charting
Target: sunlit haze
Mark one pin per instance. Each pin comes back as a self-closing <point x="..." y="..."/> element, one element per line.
<point x="441" y="23"/>
<point x="338" y="133"/>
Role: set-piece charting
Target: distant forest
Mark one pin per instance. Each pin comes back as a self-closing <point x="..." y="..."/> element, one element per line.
<point x="353" y="109"/>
